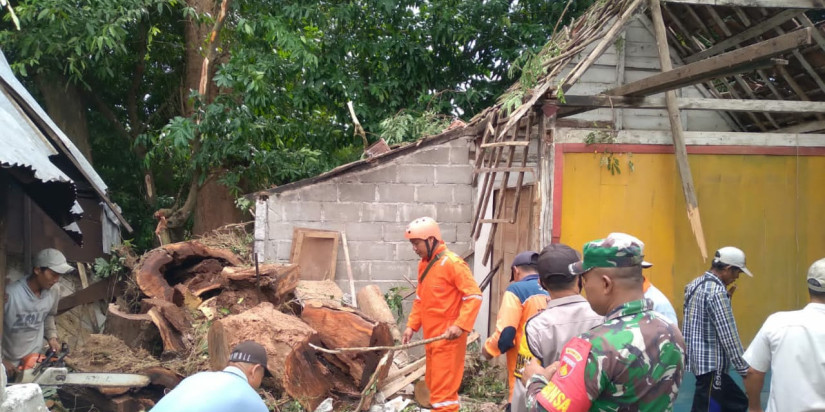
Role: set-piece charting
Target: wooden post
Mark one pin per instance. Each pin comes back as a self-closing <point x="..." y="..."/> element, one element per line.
<point x="4" y="196"/>
<point x="349" y="270"/>
<point x="545" y="183"/>
<point x="678" y="134"/>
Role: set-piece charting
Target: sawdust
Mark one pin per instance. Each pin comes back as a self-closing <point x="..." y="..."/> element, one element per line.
<point x="105" y="353"/>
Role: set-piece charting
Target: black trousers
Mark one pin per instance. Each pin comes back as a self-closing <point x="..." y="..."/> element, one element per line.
<point x="718" y="394"/>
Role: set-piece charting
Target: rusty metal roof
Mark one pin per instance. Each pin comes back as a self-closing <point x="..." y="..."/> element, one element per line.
<point x="30" y="143"/>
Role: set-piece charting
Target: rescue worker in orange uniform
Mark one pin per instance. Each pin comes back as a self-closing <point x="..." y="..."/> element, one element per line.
<point x="512" y="314"/>
<point x="446" y="303"/>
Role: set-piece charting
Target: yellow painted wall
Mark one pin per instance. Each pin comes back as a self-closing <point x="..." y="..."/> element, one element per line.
<point x="769" y="206"/>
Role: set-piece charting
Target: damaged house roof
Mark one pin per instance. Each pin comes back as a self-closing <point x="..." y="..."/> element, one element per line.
<point x="42" y="158"/>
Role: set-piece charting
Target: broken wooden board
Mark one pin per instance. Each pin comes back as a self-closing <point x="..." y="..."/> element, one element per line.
<point x="316" y="252"/>
<point x="136" y="330"/>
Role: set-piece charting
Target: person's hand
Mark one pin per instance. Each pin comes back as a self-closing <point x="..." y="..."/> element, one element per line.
<point x="535" y="368"/>
<point x="408" y="333"/>
<point x="54" y="344"/>
<point x="731" y="290"/>
<point x="485" y="354"/>
<point x="453" y="332"/>
<point x="11" y="370"/>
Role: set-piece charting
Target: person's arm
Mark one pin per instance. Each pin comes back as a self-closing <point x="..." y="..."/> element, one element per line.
<point x="754" y="381"/>
<point x="504" y="338"/>
<point x="414" y="320"/>
<point x="531" y="336"/>
<point x="49" y="327"/>
<point x="568" y="385"/>
<point x="721" y="315"/>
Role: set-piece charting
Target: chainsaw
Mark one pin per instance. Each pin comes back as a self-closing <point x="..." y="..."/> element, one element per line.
<point x="49" y="369"/>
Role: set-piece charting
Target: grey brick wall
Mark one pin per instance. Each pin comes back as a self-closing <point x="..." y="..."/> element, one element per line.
<point x="374" y="207"/>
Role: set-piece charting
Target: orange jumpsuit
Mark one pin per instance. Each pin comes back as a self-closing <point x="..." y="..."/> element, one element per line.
<point x="448" y="296"/>
<point x="520" y="301"/>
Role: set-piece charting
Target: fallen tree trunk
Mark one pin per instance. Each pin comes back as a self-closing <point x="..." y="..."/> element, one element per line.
<point x="275" y="281"/>
<point x="277" y="332"/>
<point x="342" y="328"/>
<point x="372" y="303"/>
<point x="150" y="271"/>
<point x="135" y="330"/>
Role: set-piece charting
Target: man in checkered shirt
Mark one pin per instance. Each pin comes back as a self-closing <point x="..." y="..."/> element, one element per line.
<point x="712" y="340"/>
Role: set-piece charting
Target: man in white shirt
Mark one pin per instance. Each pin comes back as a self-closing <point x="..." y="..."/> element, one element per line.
<point x="792" y="345"/>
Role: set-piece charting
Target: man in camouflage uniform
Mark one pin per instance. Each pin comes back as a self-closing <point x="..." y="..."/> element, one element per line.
<point x="632" y="362"/>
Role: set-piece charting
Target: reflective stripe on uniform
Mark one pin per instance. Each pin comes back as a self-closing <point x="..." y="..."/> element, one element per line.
<point x="472" y="297"/>
<point x="445" y="403"/>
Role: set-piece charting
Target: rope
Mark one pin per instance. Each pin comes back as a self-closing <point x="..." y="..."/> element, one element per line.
<point x="375" y="348"/>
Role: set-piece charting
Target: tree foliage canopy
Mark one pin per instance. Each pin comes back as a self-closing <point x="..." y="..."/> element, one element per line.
<point x="284" y="73"/>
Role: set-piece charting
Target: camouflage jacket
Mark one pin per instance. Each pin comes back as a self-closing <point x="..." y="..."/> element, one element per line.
<point x="632" y="362"/>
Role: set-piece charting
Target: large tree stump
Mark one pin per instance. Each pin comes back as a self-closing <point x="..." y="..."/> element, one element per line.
<point x="135" y="330"/>
<point x="279" y="333"/>
<point x="345" y="328"/>
<point x="276" y="282"/>
<point x="150" y="272"/>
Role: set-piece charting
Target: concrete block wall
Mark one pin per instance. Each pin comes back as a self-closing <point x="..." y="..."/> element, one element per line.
<point x="373" y="207"/>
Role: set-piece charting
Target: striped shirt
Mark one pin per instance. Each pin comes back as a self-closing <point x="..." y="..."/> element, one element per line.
<point x="710" y="332"/>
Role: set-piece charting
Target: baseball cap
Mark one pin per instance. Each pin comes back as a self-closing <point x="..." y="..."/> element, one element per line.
<point x="523" y="259"/>
<point x="732" y="256"/>
<point x="249" y="352"/>
<point x="615" y="251"/>
<point x="556" y="260"/>
<point x="52" y="259"/>
<point x="816" y="276"/>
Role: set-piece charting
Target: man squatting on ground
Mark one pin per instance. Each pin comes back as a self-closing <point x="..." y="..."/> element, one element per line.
<point x="446" y="303"/>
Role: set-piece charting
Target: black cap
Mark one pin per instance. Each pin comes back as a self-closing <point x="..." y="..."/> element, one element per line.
<point x="249" y="352"/>
<point x="523" y="259"/>
<point x="555" y="260"/>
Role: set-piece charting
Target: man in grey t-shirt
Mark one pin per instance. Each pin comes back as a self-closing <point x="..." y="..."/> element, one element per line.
<point x="30" y="308"/>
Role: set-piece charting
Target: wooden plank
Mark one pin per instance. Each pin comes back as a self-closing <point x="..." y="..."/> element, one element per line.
<point x="316" y="252"/>
<point x="740" y="60"/>
<point x="502" y="144"/>
<point x="505" y="169"/>
<point x="784" y="4"/>
<point x="101" y="290"/>
<point x="680" y="148"/>
<point x="662" y="137"/>
<point x="814" y="126"/>
<point x="349" y="270"/>
<point x="753" y="31"/>
<point x="4" y="208"/>
<point x="695" y="103"/>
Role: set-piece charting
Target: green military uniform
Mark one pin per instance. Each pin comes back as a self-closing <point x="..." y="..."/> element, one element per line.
<point x="632" y="362"/>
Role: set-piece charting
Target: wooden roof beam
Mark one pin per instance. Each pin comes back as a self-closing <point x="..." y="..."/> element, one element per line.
<point x="750" y="33"/>
<point x="741" y="60"/>
<point x="783" y="4"/>
<point x="809" y="127"/>
<point x="694" y="103"/>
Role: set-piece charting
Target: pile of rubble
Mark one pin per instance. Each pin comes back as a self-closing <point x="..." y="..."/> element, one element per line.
<point x="189" y="303"/>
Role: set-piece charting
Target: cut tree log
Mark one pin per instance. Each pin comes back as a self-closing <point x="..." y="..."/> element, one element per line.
<point x="136" y="330"/>
<point x="150" y="271"/>
<point x="172" y="340"/>
<point x="277" y="332"/>
<point x="185" y="298"/>
<point x="161" y="376"/>
<point x="319" y="292"/>
<point x="276" y="282"/>
<point x="372" y="303"/>
<point x="342" y="328"/>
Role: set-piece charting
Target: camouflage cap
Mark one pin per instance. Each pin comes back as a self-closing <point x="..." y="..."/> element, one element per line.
<point x="616" y="250"/>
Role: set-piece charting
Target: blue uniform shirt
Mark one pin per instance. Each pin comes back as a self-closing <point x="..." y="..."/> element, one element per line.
<point x="224" y="391"/>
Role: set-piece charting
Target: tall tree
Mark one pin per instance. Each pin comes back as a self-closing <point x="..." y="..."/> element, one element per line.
<point x="271" y="106"/>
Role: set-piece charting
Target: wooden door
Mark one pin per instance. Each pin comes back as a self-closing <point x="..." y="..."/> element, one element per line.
<point x="511" y="239"/>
